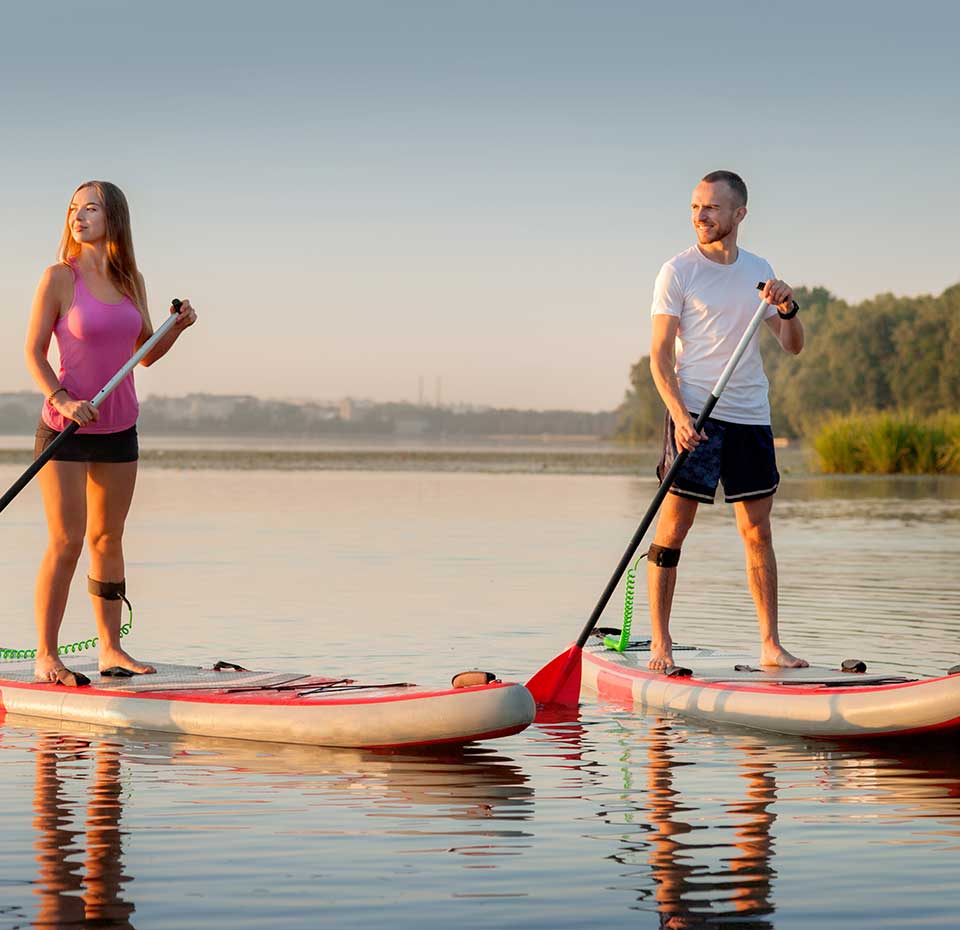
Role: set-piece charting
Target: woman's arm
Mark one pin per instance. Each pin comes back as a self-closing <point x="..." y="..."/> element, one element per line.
<point x="186" y="316"/>
<point x="53" y="294"/>
<point x="47" y="304"/>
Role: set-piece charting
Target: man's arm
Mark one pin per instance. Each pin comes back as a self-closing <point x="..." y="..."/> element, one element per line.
<point x="663" y="363"/>
<point x="789" y="333"/>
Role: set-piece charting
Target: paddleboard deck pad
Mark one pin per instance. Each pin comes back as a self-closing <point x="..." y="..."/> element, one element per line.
<point x="280" y="707"/>
<point x="811" y="702"/>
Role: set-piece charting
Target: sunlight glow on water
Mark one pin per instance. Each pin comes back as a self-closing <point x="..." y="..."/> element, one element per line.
<point x="616" y="819"/>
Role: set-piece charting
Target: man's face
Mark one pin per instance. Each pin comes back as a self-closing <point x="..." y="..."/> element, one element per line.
<point x="715" y="211"/>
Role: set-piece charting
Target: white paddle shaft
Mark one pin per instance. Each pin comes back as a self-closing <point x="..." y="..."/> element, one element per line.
<point x="758" y="318"/>
<point x="134" y="361"/>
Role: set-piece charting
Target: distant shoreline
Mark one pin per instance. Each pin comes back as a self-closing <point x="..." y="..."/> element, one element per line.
<point x="480" y="457"/>
<point x="494" y="461"/>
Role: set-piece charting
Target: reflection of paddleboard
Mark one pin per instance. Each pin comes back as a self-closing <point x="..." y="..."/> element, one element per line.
<point x="819" y="702"/>
<point x="275" y="707"/>
<point x="469" y="782"/>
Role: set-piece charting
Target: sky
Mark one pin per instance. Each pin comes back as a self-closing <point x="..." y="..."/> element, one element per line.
<point x="364" y="197"/>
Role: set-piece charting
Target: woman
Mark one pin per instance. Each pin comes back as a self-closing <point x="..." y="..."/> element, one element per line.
<point x="94" y="302"/>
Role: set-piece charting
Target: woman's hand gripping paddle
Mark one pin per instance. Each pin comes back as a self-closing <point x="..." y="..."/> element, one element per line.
<point x="73" y="426"/>
<point x="557" y="684"/>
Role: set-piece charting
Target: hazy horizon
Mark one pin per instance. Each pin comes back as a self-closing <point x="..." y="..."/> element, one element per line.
<point x="328" y="402"/>
<point x="359" y="196"/>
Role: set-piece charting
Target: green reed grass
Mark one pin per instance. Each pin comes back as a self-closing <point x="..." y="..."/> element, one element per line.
<point x="889" y="442"/>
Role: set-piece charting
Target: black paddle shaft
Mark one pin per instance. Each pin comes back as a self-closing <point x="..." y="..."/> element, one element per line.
<point x="665" y="486"/>
<point x="38" y="463"/>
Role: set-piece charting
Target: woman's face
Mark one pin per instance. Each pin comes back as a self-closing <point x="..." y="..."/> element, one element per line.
<point x="87" y="217"/>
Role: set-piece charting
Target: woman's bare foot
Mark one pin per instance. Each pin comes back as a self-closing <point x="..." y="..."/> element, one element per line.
<point x="51" y="670"/>
<point x="46" y="668"/>
<point x="777" y="655"/>
<point x="661" y="656"/>
<point x="113" y="657"/>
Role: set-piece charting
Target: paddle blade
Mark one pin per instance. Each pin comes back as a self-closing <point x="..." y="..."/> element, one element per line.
<point x="558" y="682"/>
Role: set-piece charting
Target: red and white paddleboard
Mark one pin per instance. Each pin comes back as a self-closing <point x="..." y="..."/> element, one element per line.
<point x="274" y="707"/>
<point x="813" y="702"/>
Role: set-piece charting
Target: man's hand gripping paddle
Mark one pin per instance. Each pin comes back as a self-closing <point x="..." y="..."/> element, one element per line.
<point x="73" y="426"/>
<point x="557" y="684"/>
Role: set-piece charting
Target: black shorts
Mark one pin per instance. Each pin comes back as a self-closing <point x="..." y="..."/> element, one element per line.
<point x="90" y="447"/>
<point x="738" y="454"/>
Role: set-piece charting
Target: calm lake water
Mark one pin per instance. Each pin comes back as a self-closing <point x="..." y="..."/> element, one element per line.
<point x="612" y="820"/>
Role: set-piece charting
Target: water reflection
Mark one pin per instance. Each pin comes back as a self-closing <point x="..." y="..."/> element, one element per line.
<point x="472" y="783"/>
<point x="706" y="857"/>
<point x="735" y="892"/>
<point x="942" y="488"/>
<point x="692" y="816"/>
<point x="89" y="892"/>
<point x="899" y="782"/>
<point x="470" y="803"/>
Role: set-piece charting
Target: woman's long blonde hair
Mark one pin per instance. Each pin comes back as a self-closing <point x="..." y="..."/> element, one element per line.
<point x="122" y="263"/>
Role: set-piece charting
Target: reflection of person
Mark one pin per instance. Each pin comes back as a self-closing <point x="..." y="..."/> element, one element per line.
<point x="67" y="897"/>
<point x="93" y="301"/>
<point x="689" y="893"/>
<point x="703" y="301"/>
<point x="744" y="885"/>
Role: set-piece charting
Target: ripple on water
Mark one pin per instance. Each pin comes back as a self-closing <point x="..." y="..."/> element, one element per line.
<point x="613" y="819"/>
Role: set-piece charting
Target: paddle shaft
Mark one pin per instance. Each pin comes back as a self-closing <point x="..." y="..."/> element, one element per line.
<point x="73" y="426"/>
<point x="671" y="474"/>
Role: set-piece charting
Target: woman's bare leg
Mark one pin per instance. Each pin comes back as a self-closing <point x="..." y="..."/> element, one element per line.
<point x="109" y="493"/>
<point x="62" y="485"/>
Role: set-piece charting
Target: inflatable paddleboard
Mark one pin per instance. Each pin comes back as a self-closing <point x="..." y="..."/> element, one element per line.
<point x="278" y="707"/>
<point x="812" y="702"/>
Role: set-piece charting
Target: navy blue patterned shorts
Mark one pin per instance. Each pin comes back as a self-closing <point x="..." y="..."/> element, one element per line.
<point x="738" y="454"/>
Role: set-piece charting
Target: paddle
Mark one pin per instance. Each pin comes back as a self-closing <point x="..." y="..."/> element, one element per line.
<point x="73" y="426"/>
<point x="558" y="682"/>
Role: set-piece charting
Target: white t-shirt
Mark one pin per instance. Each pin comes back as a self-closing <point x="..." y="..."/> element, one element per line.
<point x="715" y="304"/>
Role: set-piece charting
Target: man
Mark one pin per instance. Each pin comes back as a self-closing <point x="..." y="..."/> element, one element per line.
<point x="703" y="300"/>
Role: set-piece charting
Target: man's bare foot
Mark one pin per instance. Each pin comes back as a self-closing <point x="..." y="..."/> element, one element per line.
<point x="778" y="656"/>
<point x="114" y="657"/>
<point x="661" y="656"/>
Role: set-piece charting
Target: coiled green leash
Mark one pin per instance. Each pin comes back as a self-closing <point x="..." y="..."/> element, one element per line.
<point x="620" y="643"/>
<point x="111" y="591"/>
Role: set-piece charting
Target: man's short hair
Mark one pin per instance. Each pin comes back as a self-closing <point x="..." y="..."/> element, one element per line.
<point x="732" y="180"/>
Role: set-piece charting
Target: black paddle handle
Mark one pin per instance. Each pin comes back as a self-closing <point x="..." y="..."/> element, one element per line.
<point x="665" y="486"/>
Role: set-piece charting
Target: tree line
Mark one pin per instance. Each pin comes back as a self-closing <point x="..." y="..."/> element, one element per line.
<point x="885" y="353"/>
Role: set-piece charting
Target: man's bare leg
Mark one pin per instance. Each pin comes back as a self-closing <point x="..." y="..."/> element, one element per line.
<point x="676" y="517"/>
<point x="753" y="522"/>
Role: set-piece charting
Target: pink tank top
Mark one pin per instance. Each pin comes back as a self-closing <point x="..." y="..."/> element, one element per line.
<point x="95" y="341"/>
